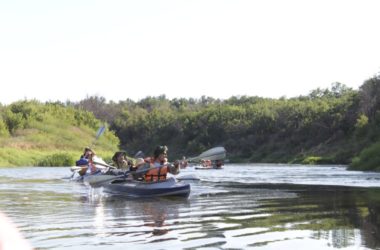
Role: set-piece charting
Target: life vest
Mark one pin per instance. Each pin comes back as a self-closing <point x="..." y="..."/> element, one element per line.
<point x="157" y="173"/>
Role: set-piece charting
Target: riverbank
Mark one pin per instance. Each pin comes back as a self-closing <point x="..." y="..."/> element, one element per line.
<point x="13" y="157"/>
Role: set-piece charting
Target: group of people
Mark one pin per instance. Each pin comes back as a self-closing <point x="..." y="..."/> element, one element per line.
<point x="211" y="164"/>
<point x="149" y="169"/>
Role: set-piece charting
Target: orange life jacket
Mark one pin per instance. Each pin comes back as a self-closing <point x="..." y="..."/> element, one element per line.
<point x="156" y="174"/>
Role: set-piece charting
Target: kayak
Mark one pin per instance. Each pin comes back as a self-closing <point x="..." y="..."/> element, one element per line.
<point x="187" y="177"/>
<point x="93" y="179"/>
<point x="97" y="179"/>
<point x="207" y="168"/>
<point x="169" y="187"/>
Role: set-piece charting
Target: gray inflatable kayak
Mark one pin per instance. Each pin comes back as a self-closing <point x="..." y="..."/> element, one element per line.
<point x="169" y="187"/>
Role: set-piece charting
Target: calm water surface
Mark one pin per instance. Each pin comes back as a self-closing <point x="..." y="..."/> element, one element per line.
<point x="239" y="207"/>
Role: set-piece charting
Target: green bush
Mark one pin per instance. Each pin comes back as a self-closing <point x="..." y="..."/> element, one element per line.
<point x="368" y="159"/>
<point x="311" y="160"/>
<point x="3" y="129"/>
<point x="57" y="159"/>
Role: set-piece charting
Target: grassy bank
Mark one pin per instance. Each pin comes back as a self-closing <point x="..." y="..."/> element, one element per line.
<point x="50" y="134"/>
<point x="12" y="157"/>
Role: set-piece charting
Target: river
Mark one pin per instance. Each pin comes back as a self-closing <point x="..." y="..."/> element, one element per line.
<point x="251" y="206"/>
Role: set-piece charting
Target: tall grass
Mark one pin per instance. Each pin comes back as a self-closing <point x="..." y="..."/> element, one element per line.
<point x="57" y="159"/>
<point x="368" y="159"/>
<point x="11" y="157"/>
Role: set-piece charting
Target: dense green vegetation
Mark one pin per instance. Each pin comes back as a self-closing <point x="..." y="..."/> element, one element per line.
<point x="327" y="126"/>
<point x="336" y="125"/>
<point x="34" y="133"/>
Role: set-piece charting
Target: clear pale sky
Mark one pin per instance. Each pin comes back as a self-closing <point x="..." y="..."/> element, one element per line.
<point x="68" y="49"/>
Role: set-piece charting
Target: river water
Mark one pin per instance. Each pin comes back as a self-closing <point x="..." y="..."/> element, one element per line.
<point x="250" y="206"/>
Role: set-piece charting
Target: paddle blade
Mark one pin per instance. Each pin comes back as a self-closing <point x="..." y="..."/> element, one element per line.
<point x="100" y="131"/>
<point x="217" y="153"/>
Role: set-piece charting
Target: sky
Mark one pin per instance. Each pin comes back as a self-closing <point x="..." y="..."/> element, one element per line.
<point x="130" y="49"/>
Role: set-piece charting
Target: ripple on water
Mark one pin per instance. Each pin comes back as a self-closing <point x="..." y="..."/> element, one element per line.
<point x="226" y="210"/>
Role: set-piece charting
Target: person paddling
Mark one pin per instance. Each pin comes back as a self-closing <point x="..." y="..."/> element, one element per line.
<point x="84" y="160"/>
<point x="159" y="166"/>
<point x="88" y="162"/>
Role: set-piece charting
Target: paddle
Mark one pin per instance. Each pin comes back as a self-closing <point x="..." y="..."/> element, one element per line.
<point x="76" y="168"/>
<point x="217" y="153"/>
<point x="101" y="130"/>
<point x="103" y="164"/>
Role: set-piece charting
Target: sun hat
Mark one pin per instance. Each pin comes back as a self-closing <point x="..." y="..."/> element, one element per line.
<point x="117" y="154"/>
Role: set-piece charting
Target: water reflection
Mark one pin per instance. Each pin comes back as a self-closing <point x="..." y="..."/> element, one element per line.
<point x="155" y="216"/>
<point x="140" y="219"/>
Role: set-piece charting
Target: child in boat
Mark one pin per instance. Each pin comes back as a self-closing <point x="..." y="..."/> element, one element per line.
<point x="84" y="160"/>
<point x="120" y="161"/>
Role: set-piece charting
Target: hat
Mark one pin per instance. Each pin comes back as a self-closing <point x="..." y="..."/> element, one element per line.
<point x="117" y="154"/>
<point x="139" y="162"/>
<point x="86" y="149"/>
